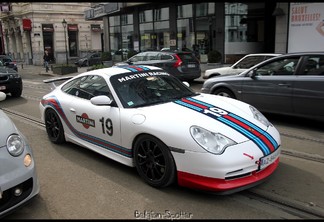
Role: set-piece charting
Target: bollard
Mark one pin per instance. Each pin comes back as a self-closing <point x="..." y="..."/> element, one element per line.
<point x="22" y="65"/>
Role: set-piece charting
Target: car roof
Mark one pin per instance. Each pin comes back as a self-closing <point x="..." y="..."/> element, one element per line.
<point x="168" y="52"/>
<point x="283" y="56"/>
<point x="115" y="70"/>
<point x="263" y="54"/>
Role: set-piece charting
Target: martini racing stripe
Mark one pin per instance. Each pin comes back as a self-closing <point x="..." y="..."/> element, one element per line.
<point x="135" y="68"/>
<point x="267" y="140"/>
<point x="260" y="137"/>
<point x="264" y="133"/>
<point x="54" y="103"/>
<point x="239" y="120"/>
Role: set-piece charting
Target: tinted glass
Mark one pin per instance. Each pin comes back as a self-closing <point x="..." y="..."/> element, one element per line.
<point x="285" y="66"/>
<point x="187" y="57"/>
<point x="148" y="88"/>
<point x="87" y="87"/>
<point x="250" y="61"/>
<point x="314" y="65"/>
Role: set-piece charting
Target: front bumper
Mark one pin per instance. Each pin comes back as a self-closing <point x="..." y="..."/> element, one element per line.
<point x="14" y="176"/>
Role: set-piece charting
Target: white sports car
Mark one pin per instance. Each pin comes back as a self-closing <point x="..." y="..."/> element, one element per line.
<point x="143" y="117"/>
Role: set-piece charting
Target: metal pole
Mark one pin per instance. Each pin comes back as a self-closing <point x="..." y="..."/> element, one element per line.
<point x="66" y="52"/>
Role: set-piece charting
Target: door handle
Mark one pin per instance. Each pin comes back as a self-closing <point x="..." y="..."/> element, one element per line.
<point x="72" y="110"/>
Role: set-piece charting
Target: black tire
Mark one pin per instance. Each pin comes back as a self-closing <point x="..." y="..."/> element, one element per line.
<point x="54" y="127"/>
<point x="224" y="92"/>
<point x="154" y="161"/>
<point x="16" y="93"/>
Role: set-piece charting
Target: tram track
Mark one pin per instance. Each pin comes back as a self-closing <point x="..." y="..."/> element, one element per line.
<point x="291" y="208"/>
<point x="295" y="209"/>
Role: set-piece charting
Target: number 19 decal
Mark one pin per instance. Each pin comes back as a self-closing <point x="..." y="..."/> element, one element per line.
<point x="107" y="126"/>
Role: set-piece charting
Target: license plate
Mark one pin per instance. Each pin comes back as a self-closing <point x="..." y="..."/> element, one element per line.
<point x="2" y="87"/>
<point x="191" y="65"/>
<point x="268" y="160"/>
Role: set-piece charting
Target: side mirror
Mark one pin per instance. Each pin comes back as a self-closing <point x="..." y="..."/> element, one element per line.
<point x="186" y="83"/>
<point x="101" y="100"/>
<point x="253" y="73"/>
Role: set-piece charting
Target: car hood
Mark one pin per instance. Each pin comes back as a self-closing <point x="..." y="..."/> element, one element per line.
<point x="224" y="71"/>
<point x="6" y="123"/>
<point x="215" y="113"/>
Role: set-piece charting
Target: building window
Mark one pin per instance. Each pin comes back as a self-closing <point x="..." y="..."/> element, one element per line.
<point x="204" y="9"/>
<point x="244" y="25"/>
<point x="185" y="27"/>
<point x="146" y="30"/>
<point x="127" y="33"/>
<point x="154" y="29"/>
<point x="184" y="11"/>
<point x="73" y="39"/>
<point x="115" y="33"/>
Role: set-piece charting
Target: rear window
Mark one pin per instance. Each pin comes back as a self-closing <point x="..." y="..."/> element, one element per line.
<point x="187" y="57"/>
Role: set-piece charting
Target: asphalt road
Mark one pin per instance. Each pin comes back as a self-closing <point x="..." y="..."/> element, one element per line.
<point x="79" y="184"/>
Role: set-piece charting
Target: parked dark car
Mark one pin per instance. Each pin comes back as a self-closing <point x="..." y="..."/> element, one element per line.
<point x="8" y="62"/>
<point x="182" y="65"/>
<point x="10" y="81"/>
<point x="290" y="84"/>
<point x="89" y="60"/>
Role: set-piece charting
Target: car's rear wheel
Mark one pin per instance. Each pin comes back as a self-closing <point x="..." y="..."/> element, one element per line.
<point x="154" y="161"/>
<point x="224" y="92"/>
<point x="54" y="127"/>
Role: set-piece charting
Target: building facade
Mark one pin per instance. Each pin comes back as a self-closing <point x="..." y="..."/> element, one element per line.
<point x="232" y="28"/>
<point x="30" y="28"/>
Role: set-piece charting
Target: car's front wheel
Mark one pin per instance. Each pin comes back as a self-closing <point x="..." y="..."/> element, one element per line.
<point x="54" y="127"/>
<point x="154" y="161"/>
<point x="224" y="92"/>
<point x="16" y="92"/>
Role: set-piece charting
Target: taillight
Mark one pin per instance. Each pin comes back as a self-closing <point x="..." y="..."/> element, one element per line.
<point x="178" y="62"/>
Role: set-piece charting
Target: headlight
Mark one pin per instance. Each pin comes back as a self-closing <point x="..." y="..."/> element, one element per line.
<point x="15" y="145"/>
<point x="14" y="76"/>
<point x="259" y="116"/>
<point x="212" y="142"/>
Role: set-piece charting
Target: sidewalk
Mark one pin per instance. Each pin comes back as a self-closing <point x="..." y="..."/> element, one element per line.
<point x="40" y="70"/>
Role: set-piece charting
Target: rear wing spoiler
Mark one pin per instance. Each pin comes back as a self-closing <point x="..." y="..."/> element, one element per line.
<point x="55" y="80"/>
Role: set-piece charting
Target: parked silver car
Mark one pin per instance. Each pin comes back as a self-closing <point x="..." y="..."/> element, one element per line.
<point x="290" y="84"/>
<point x="241" y="65"/>
<point x="18" y="178"/>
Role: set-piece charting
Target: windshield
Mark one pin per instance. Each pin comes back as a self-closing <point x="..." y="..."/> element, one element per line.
<point x="148" y="88"/>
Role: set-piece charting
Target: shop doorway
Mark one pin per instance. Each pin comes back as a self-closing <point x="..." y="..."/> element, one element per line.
<point x="204" y="38"/>
<point x="48" y="35"/>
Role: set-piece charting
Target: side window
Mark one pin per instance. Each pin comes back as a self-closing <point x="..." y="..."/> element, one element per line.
<point x="87" y="87"/>
<point x="151" y="56"/>
<point x="137" y="58"/>
<point x="166" y="57"/>
<point x="285" y="66"/>
<point x="314" y="65"/>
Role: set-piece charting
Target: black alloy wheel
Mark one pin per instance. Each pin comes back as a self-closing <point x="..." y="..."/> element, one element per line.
<point x="154" y="161"/>
<point x="54" y="127"/>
